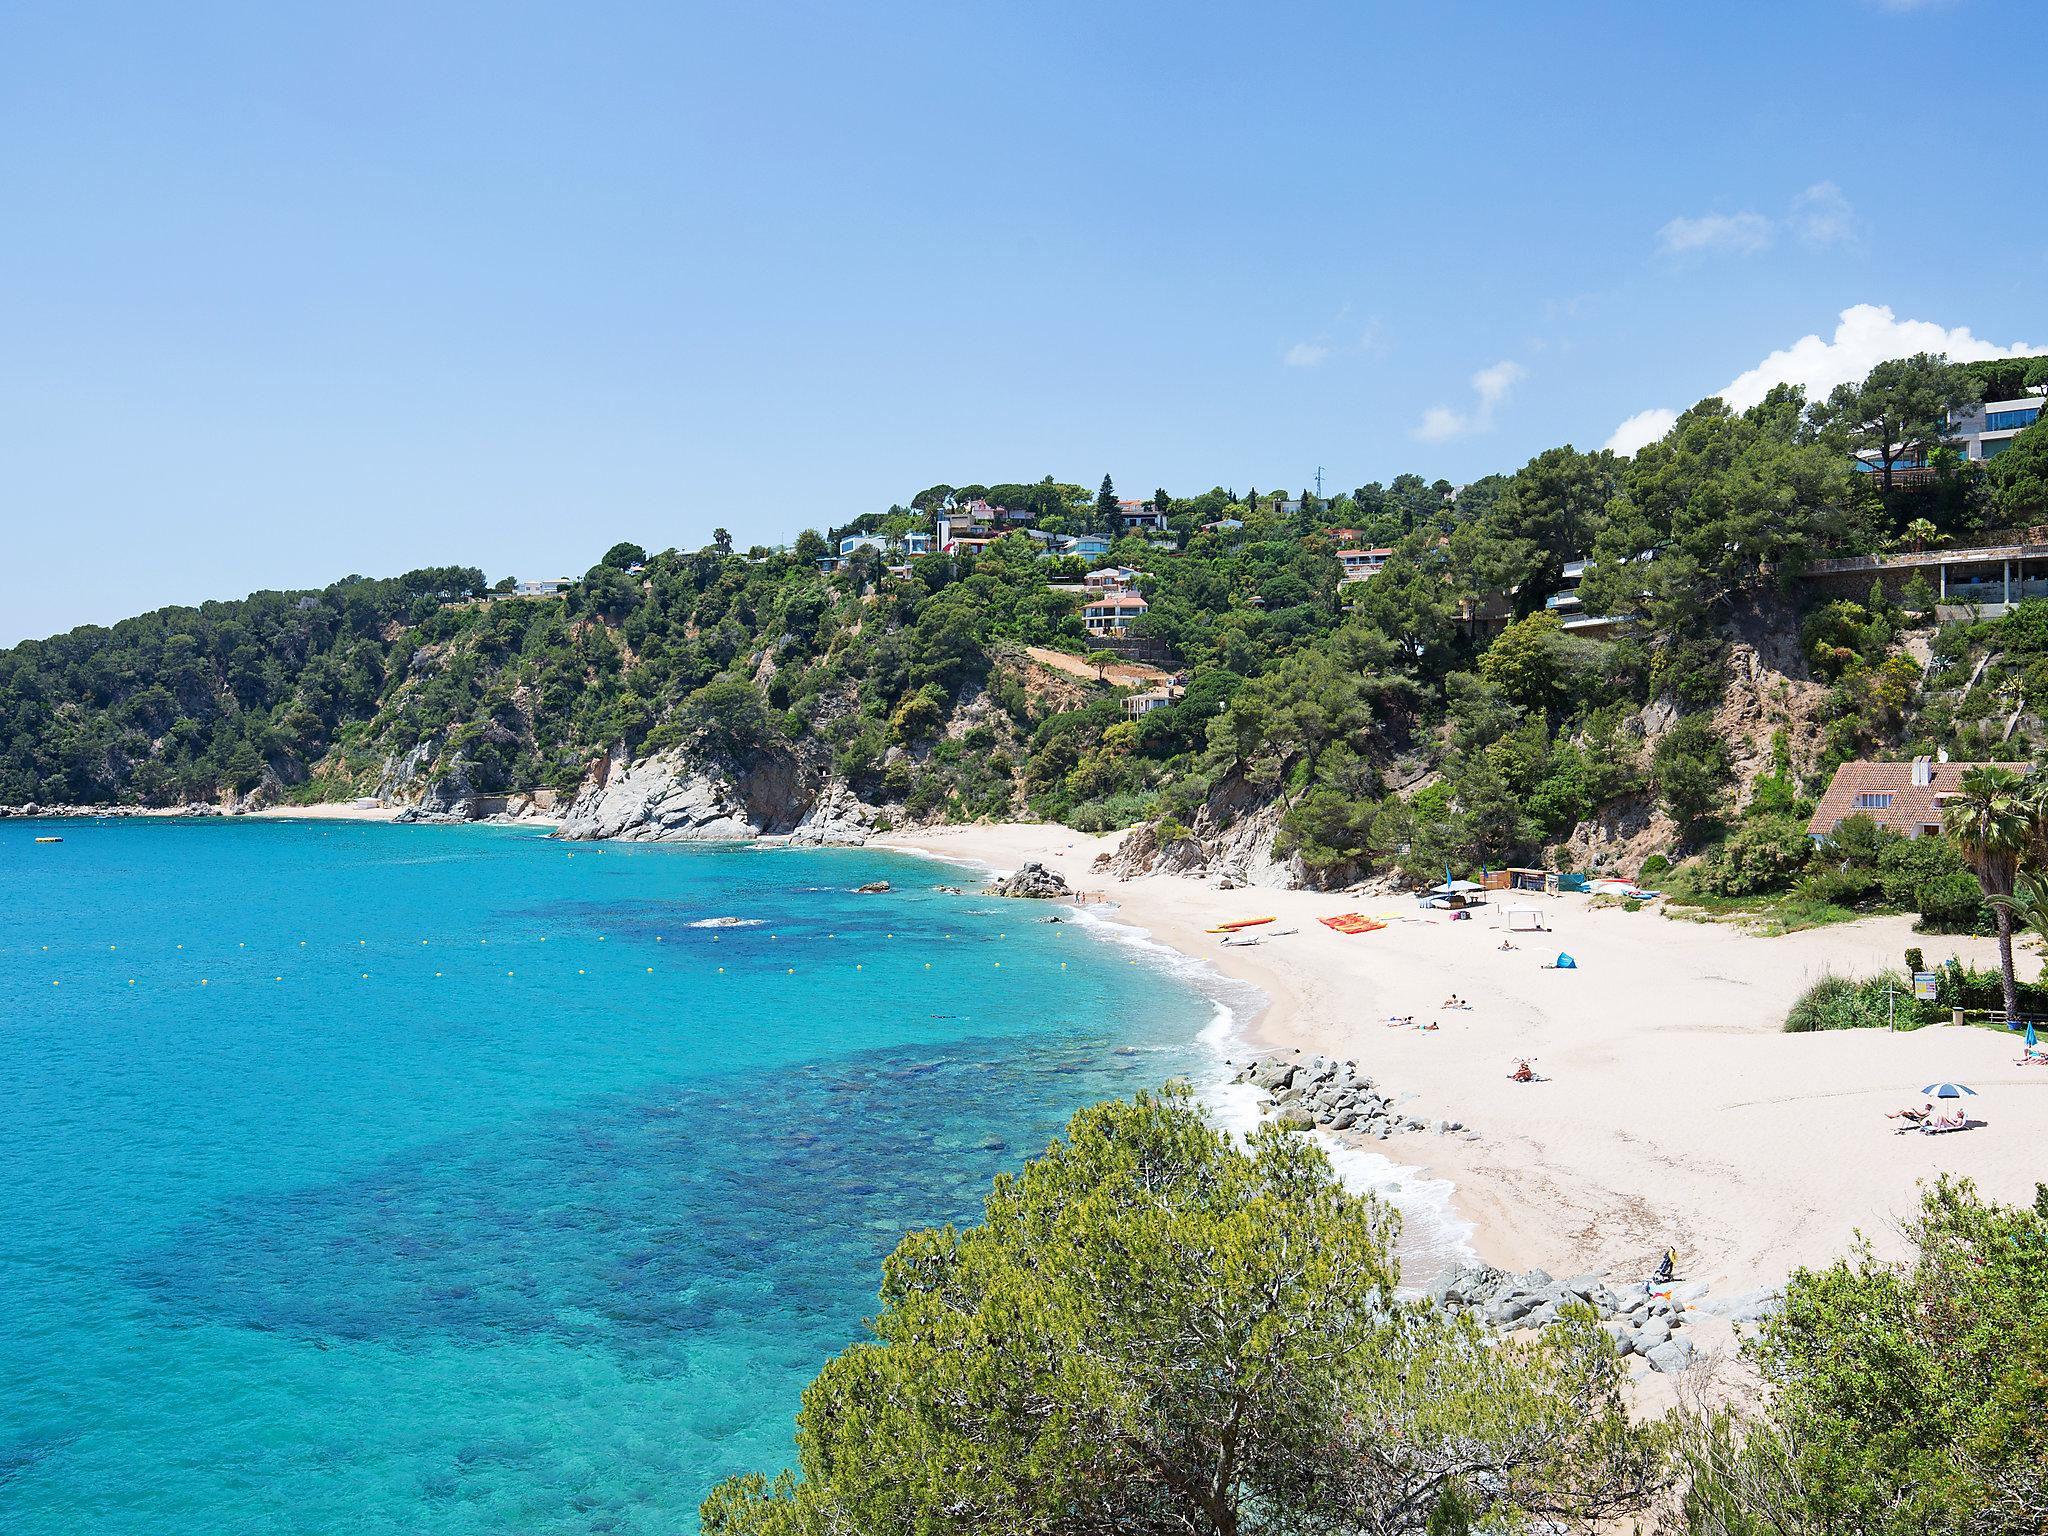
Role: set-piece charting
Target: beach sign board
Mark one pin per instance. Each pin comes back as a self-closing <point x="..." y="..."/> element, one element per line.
<point x="1926" y="986"/>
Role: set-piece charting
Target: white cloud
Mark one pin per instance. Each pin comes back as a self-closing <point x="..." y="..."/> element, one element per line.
<point x="1866" y="335"/>
<point x="1743" y="233"/>
<point x="1641" y="429"/>
<point x="1336" y="340"/>
<point x="1821" y="215"/>
<point x="1494" y="383"/>
<point x="1440" y="423"/>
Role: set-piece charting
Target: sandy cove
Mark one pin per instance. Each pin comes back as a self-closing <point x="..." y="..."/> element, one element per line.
<point x="1674" y="1109"/>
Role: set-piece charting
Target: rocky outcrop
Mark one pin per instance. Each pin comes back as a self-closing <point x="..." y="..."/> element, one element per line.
<point x="1644" y="1321"/>
<point x="1230" y="843"/>
<point x="836" y="819"/>
<point x="1034" y="882"/>
<point x="1318" y="1091"/>
<point x="664" y="798"/>
<point x="401" y="774"/>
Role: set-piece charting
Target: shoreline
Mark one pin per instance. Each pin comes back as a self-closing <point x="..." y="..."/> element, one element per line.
<point x="324" y="810"/>
<point x="1674" y="1109"/>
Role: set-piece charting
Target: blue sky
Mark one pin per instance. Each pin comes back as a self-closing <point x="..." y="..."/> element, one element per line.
<point x="292" y="291"/>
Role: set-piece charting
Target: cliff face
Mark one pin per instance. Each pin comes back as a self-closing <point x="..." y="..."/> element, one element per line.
<point x="675" y="797"/>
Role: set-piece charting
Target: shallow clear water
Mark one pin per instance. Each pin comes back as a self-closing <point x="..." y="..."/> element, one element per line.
<point x="381" y="1179"/>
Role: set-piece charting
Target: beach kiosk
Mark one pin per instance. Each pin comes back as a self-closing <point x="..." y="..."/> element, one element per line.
<point x="1455" y="894"/>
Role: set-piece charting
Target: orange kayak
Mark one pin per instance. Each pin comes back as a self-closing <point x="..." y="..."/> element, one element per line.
<point x="1242" y="922"/>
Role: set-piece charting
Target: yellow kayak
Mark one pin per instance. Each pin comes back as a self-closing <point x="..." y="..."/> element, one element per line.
<point x="1242" y="922"/>
<point x="49" y="839"/>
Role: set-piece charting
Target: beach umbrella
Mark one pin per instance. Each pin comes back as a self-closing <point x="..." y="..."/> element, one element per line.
<point x="1948" y="1090"/>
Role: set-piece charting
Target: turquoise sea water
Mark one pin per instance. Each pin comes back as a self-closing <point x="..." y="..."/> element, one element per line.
<point x="420" y="1179"/>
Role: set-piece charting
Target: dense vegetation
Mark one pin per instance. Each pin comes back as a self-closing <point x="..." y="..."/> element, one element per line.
<point x="1154" y="1330"/>
<point x="1437" y="713"/>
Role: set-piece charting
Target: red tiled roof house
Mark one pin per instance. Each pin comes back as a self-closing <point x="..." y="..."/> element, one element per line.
<point x="1907" y="797"/>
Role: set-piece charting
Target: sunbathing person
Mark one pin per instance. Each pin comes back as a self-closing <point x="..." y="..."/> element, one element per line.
<point x="2032" y="1056"/>
<point x="1909" y="1113"/>
<point x="1939" y="1123"/>
<point x="1523" y="1073"/>
<point x="1504" y="944"/>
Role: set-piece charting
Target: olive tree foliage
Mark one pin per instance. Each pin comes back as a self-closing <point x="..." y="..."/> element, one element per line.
<point x="1157" y="1330"/>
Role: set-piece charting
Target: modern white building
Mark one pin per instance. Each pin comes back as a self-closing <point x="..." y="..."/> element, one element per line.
<point x="1362" y="564"/>
<point x="545" y="586"/>
<point x="1111" y="578"/>
<point x="1111" y="614"/>
<point x="1989" y="430"/>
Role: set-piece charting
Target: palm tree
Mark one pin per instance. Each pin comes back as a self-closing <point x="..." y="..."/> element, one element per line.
<point x="1991" y="817"/>
<point x="2028" y="905"/>
<point x="1920" y="533"/>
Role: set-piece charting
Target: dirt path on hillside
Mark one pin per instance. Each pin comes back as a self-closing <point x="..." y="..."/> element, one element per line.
<point x="1125" y="674"/>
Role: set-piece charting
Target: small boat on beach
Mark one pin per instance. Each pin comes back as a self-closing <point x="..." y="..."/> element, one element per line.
<point x="1243" y="940"/>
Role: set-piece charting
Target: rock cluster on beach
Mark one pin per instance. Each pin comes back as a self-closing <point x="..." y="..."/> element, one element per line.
<point x="1317" y="1091"/>
<point x="1033" y="882"/>
<point x="1644" y="1321"/>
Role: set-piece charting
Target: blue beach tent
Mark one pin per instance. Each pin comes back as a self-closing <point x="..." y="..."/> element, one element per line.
<point x="1565" y="962"/>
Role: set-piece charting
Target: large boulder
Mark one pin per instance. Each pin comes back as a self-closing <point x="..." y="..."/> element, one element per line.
<point x="1033" y="882"/>
<point x="837" y="819"/>
<point x="1672" y="1356"/>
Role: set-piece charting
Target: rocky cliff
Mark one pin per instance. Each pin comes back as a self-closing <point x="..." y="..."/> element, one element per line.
<point x="676" y="797"/>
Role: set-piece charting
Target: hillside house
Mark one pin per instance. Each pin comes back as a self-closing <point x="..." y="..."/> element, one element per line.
<point x="1362" y="564"/>
<point x="1906" y="797"/>
<point x="1112" y="613"/>
<point x="1138" y="705"/>
<point x="1111" y="578"/>
<point x="1135" y="515"/>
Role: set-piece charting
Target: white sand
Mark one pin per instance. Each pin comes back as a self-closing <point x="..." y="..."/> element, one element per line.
<point x="1675" y="1110"/>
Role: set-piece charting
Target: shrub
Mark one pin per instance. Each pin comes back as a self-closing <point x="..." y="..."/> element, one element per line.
<point x="1838" y="1002"/>
<point x="1927" y="875"/>
<point x="1655" y="865"/>
<point x="1905" y="1398"/>
<point x="1764" y="853"/>
<point x="1849" y="886"/>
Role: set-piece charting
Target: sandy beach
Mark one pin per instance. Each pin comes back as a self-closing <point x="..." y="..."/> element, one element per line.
<point x="1673" y="1108"/>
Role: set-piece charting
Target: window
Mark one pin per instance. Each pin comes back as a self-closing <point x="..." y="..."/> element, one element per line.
<point x="1874" y="802"/>
<point x="2000" y="421"/>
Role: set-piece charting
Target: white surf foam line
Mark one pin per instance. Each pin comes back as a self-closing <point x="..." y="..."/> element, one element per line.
<point x="1433" y="1234"/>
<point x="727" y="922"/>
